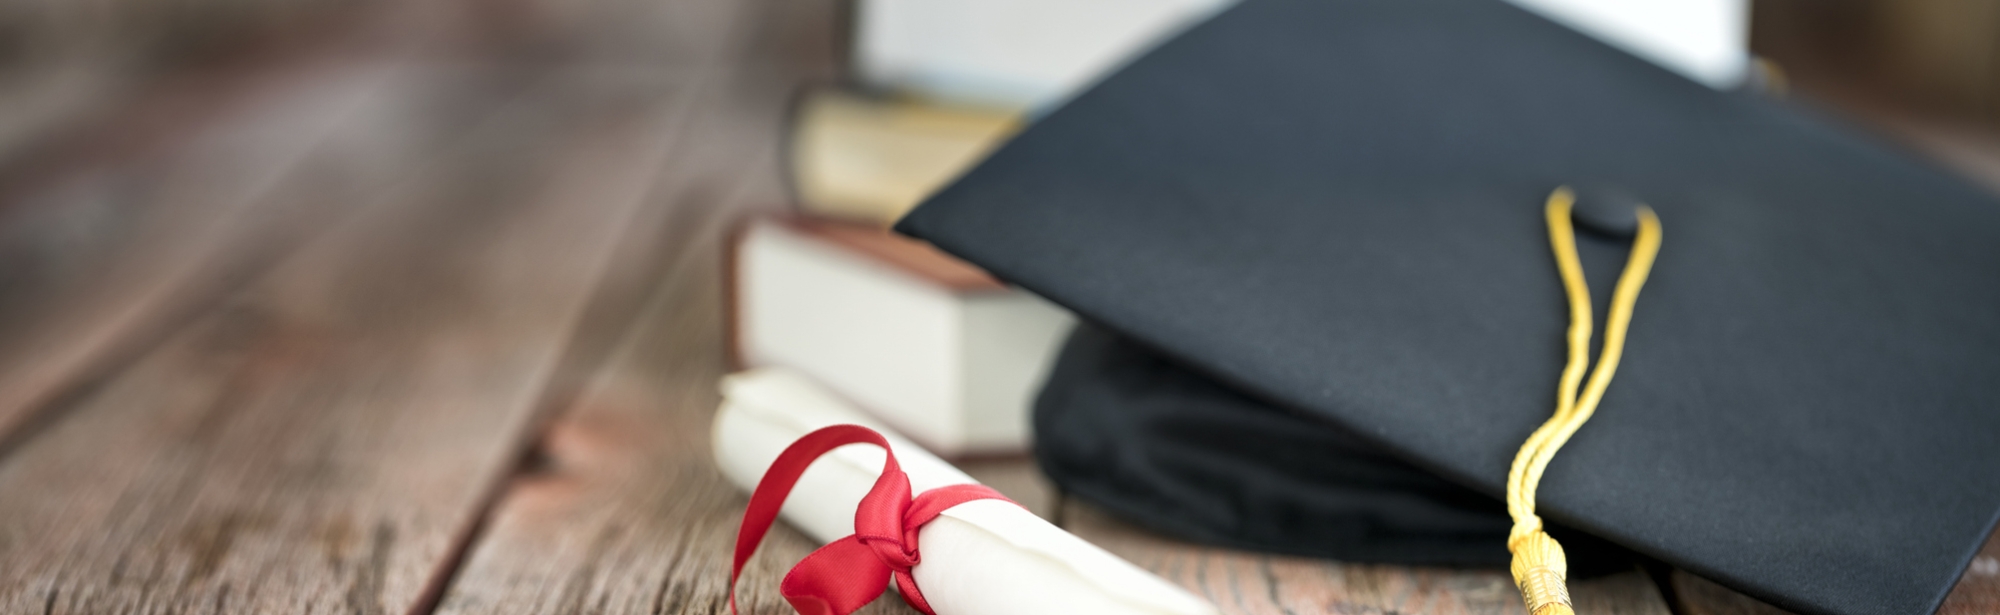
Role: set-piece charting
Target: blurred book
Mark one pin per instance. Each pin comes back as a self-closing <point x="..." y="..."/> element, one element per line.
<point x="870" y="160"/>
<point x="931" y="345"/>
<point x="1022" y="54"/>
<point x="1704" y="40"/>
<point x="1034" y="54"/>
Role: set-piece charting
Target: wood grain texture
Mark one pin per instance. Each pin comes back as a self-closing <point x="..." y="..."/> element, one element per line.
<point x="286" y="348"/>
<point x="621" y="509"/>
<point x="324" y="440"/>
<point x="1977" y="592"/>
<point x="1699" y="596"/>
<point x="1251" y="583"/>
<point x="161" y="192"/>
<point x="101" y="265"/>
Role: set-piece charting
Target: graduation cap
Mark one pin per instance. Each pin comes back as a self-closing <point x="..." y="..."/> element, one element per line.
<point x="1312" y="238"/>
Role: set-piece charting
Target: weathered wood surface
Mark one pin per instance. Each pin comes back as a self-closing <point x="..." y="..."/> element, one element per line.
<point x="1977" y="592"/>
<point x="1256" y="584"/>
<point x="1252" y="583"/>
<point x="621" y="509"/>
<point x="131" y="213"/>
<point x="1699" y="596"/>
<point x="325" y="439"/>
<point x="444" y="334"/>
<point x="101" y="265"/>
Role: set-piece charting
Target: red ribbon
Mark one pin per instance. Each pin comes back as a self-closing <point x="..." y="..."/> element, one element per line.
<point x="847" y="574"/>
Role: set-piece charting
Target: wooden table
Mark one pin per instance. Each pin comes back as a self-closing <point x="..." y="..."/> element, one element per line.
<point x="421" y="314"/>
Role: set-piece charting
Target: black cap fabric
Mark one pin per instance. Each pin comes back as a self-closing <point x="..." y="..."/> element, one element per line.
<point x="1152" y="441"/>
<point x="1336" y="206"/>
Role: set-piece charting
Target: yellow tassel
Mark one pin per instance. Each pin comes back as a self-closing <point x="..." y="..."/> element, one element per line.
<point x="1540" y="568"/>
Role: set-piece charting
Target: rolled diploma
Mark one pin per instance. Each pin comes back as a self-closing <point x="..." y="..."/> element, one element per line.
<point x="984" y="557"/>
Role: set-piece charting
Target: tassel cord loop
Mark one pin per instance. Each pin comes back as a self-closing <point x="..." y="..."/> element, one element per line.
<point x="1540" y="568"/>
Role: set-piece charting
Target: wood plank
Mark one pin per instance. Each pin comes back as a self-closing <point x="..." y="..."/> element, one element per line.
<point x="1252" y="583"/>
<point x="1977" y="592"/>
<point x="621" y="509"/>
<point x="46" y="98"/>
<point x="100" y="266"/>
<point x="325" y="440"/>
<point x="1699" y="596"/>
<point x="90" y="110"/>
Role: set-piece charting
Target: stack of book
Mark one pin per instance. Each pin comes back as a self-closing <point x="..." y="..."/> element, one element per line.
<point x="930" y="345"/>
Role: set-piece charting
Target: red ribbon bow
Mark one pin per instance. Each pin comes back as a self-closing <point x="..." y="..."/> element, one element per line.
<point x="847" y="574"/>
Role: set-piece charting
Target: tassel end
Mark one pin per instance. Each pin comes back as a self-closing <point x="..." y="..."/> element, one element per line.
<point x="1540" y="571"/>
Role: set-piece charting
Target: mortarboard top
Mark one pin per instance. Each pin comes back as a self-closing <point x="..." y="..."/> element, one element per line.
<point x="1336" y="207"/>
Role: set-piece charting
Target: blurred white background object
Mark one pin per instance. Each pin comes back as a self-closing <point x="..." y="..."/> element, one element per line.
<point x="1704" y="40"/>
<point x="1033" y="54"/>
<point x="1008" y="53"/>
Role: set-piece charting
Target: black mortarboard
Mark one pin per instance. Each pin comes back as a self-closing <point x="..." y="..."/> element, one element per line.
<point x="1334" y="208"/>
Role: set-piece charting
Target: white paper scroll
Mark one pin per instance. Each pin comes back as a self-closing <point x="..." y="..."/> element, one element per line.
<point x="979" y="558"/>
